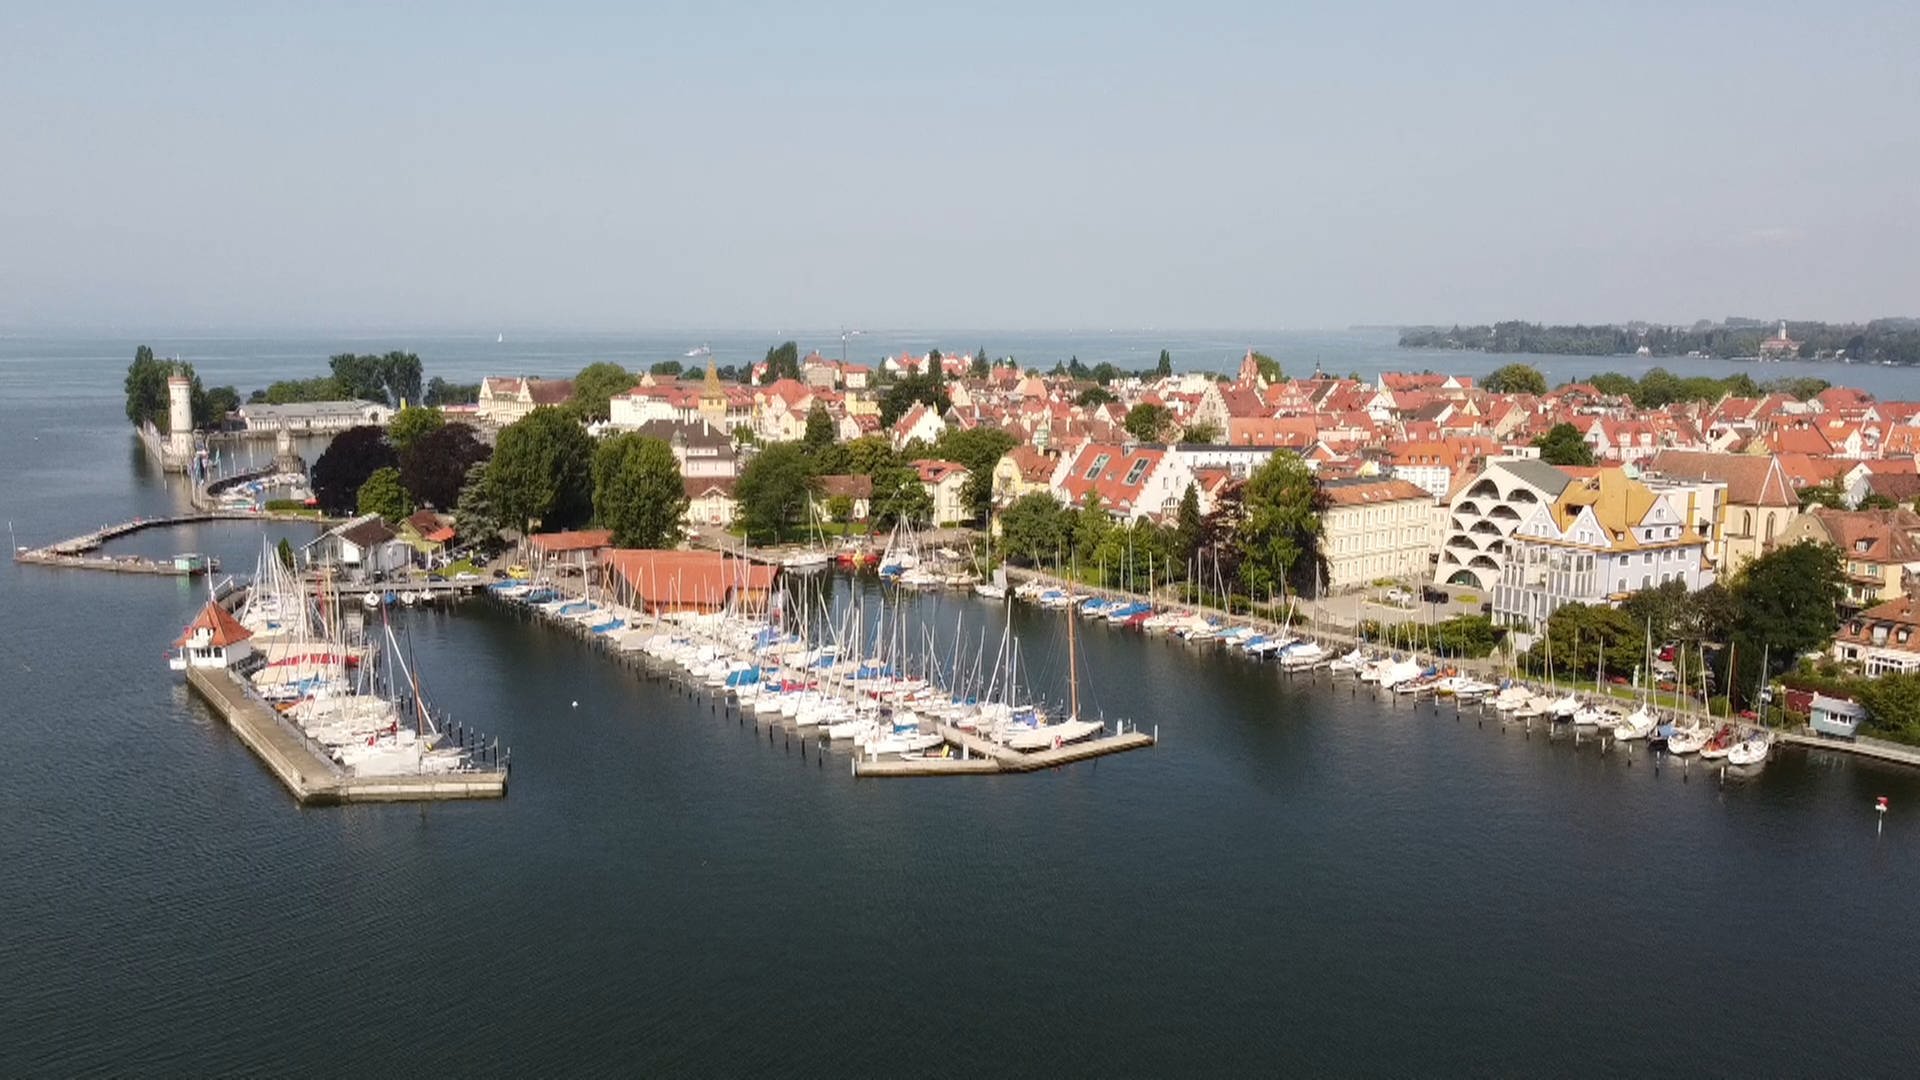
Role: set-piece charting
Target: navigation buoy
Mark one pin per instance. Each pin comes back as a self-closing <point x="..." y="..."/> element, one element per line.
<point x="576" y="704"/>
<point x="1880" y="808"/>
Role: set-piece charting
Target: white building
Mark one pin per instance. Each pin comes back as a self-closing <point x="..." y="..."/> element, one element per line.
<point x="1605" y="538"/>
<point x="1486" y="512"/>
<point x="1374" y="528"/>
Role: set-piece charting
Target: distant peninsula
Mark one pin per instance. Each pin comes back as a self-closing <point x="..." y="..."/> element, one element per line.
<point x="1879" y="341"/>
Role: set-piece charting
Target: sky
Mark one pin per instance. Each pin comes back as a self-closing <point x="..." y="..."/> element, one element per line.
<point x="1025" y="165"/>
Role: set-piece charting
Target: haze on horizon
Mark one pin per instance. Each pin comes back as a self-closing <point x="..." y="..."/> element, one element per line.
<point x="1034" y="165"/>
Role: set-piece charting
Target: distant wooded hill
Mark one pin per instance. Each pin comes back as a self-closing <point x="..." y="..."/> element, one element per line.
<point x="1895" y="340"/>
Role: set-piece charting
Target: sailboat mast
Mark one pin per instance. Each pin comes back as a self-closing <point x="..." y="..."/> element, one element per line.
<point x="1073" y="671"/>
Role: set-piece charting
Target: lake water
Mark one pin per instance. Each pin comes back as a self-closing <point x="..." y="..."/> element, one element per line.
<point x="1297" y="879"/>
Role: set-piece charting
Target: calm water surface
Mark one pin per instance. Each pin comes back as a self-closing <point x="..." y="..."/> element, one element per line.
<point x="1296" y="879"/>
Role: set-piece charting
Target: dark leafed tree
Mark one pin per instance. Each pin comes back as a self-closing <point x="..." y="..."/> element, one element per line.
<point x="435" y="467"/>
<point x="1165" y="367"/>
<point x="349" y="459"/>
<point x="1147" y="422"/>
<point x="1564" y="445"/>
<point x="638" y="491"/>
<point x="773" y="488"/>
<point x="542" y="471"/>
<point x="783" y="362"/>
<point x="666" y="369"/>
<point x="475" y="521"/>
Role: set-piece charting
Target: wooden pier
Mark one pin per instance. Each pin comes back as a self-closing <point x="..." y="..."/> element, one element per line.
<point x="986" y="756"/>
<point x="311" y="777"/>
<point x="1876" y="749"/>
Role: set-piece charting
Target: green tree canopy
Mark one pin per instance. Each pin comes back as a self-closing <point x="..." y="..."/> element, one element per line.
<point x="1564" y="445"/>
<point x="542" y="470"/>
<point x="638" y="491"/>
<point x="440" y="392"/>
<point x="383" y="494"/>
<point x="435" y="467"/>
<point x="1189" y="527"/>
<point x="1200" y="433"/>
<point x="1164" y="368"/>
<point x="783" y="362"/>
<point x="353" y="456"/>
<point x="1279" y="538"/>
<point x="868" y="454"/>
<point x="1035" y="528"/>
<point x="1515" y="379"/>
<point x="666" y="369"/>
<point x="1787" y="604"/>
<point x="1269" y="368"/>
<point x="594" y="388"/>
<point x="773" y="489"/>
<point x="899" y="495"/>
<point x="910" y="389"/>
<point x="412" y="422"/>
<point x="979" y="449"/>
<point x="475" y="522"/>
<point x="391" y="379"/>
<point x="1092" y="396"/>
<point x="1148" y="422"/>
<point x="821" y="431"/>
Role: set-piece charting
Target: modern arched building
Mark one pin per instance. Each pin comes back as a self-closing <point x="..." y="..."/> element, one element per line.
<point x="1486" y="512"/>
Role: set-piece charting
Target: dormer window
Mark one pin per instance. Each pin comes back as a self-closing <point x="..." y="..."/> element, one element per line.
<point x="1862" y="545"/>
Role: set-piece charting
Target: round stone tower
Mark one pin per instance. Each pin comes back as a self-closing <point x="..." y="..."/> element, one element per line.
<point x="179" y="416"/>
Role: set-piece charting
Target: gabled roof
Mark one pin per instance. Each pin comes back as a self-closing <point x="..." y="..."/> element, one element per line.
<point x="556" y="543"/>
<point x="224" y="628"/>
<point x="1751" y="480"/>
<point x="1536" y="473"/>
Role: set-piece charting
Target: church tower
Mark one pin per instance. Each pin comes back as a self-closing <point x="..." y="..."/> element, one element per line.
<point x="713" y="398"/>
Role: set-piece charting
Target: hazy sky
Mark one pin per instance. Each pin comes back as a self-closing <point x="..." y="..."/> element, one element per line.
<point x="1027" y="165"/>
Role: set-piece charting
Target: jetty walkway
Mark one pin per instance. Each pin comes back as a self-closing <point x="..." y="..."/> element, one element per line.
<point x="76" y="553"/>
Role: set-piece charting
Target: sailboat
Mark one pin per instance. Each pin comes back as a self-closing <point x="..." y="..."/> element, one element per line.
<point x="992" y="587"/>
<point x="1042" y="736"/>
<point x="814" y="556"/>
<point x="499" y="339"/>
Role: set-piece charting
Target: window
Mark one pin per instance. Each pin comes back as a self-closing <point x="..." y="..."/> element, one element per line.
<point x="1647" y="559"/>
<point x="1771" y="521"/>
<point x="1746" y="523"/>
<point x="1099" y="463"/>
<point x="1136" y="470"/>
<point x="1646" y="581"/>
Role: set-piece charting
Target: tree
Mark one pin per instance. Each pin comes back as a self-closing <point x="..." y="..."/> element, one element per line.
<point x="1091" y="523"/>
<point x="840" y="508"/>
<point x="542" y="470"/>
<point x="1189" y="527"/>
<point x="899" y="495"/>
<point x="979" y="449"/>
<point x="1279" y="539"/>
<point x="1164" y="369"/>
<point x="475" y="521"/>
<point x="638" y="491"/>
<point x="1893" y="705"/>
<point x="783" y="362"/>
<point x="594" y="388"/>
<point x="1827" y="493"/>
<point x="1034" y="528"/>
<point x="773" y="489"/>
<point x="347" y="462"/>
<point x="1613" y="384"/>
<point x="149" y="400"/>
<point x="441" y="392"/>
<point x="1093" y="396"/>
<point x="1077" y="370"/>
<point x="1873" y="500"/>
<point x="411" y="423"/>
<point x="212" y="407"/>
<point x="1200" y="433"/>
<point x="908" y="390"/>
<point x="1148" y="422"/>
<point x="666" y="369"/>
<point x="382" y="494"/>
<point x="820" y="429"/>
<point x="980" y="367"/>
<point x="868" y="454"/>
<point x="391" y="379"/>
<point x="434" y="468"/>
<point x="1269" y="368"/>
<point x="1515" y="379"/>
<point x="1564" y="445"/>
<point x="1787" y="604"/>
<point x="284" y="551"/>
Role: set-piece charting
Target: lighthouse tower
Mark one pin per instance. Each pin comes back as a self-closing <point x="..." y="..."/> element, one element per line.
<point x="179" y="417"/>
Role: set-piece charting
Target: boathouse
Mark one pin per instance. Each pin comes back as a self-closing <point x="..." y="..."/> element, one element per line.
<point x="662" y="582"/>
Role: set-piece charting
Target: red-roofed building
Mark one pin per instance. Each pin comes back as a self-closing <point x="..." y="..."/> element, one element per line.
<point x="1375" y="527"/>
<point x="214" y="639"/>
<point x="1131" y="482"/>
<point x="946" y="483"/>
<point x="574" y="547"/>
<point x="666" y="582"/>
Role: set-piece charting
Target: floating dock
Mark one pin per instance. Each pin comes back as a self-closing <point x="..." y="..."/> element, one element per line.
<point x="311" y="777"/>
<point x="76" y="553"/>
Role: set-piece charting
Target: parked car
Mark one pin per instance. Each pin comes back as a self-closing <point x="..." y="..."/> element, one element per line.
<point x="500" y="575"/>
<point x="1433" y="595"/>
<point x="466" y="575"/>
<point x="1400" y="597"/>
